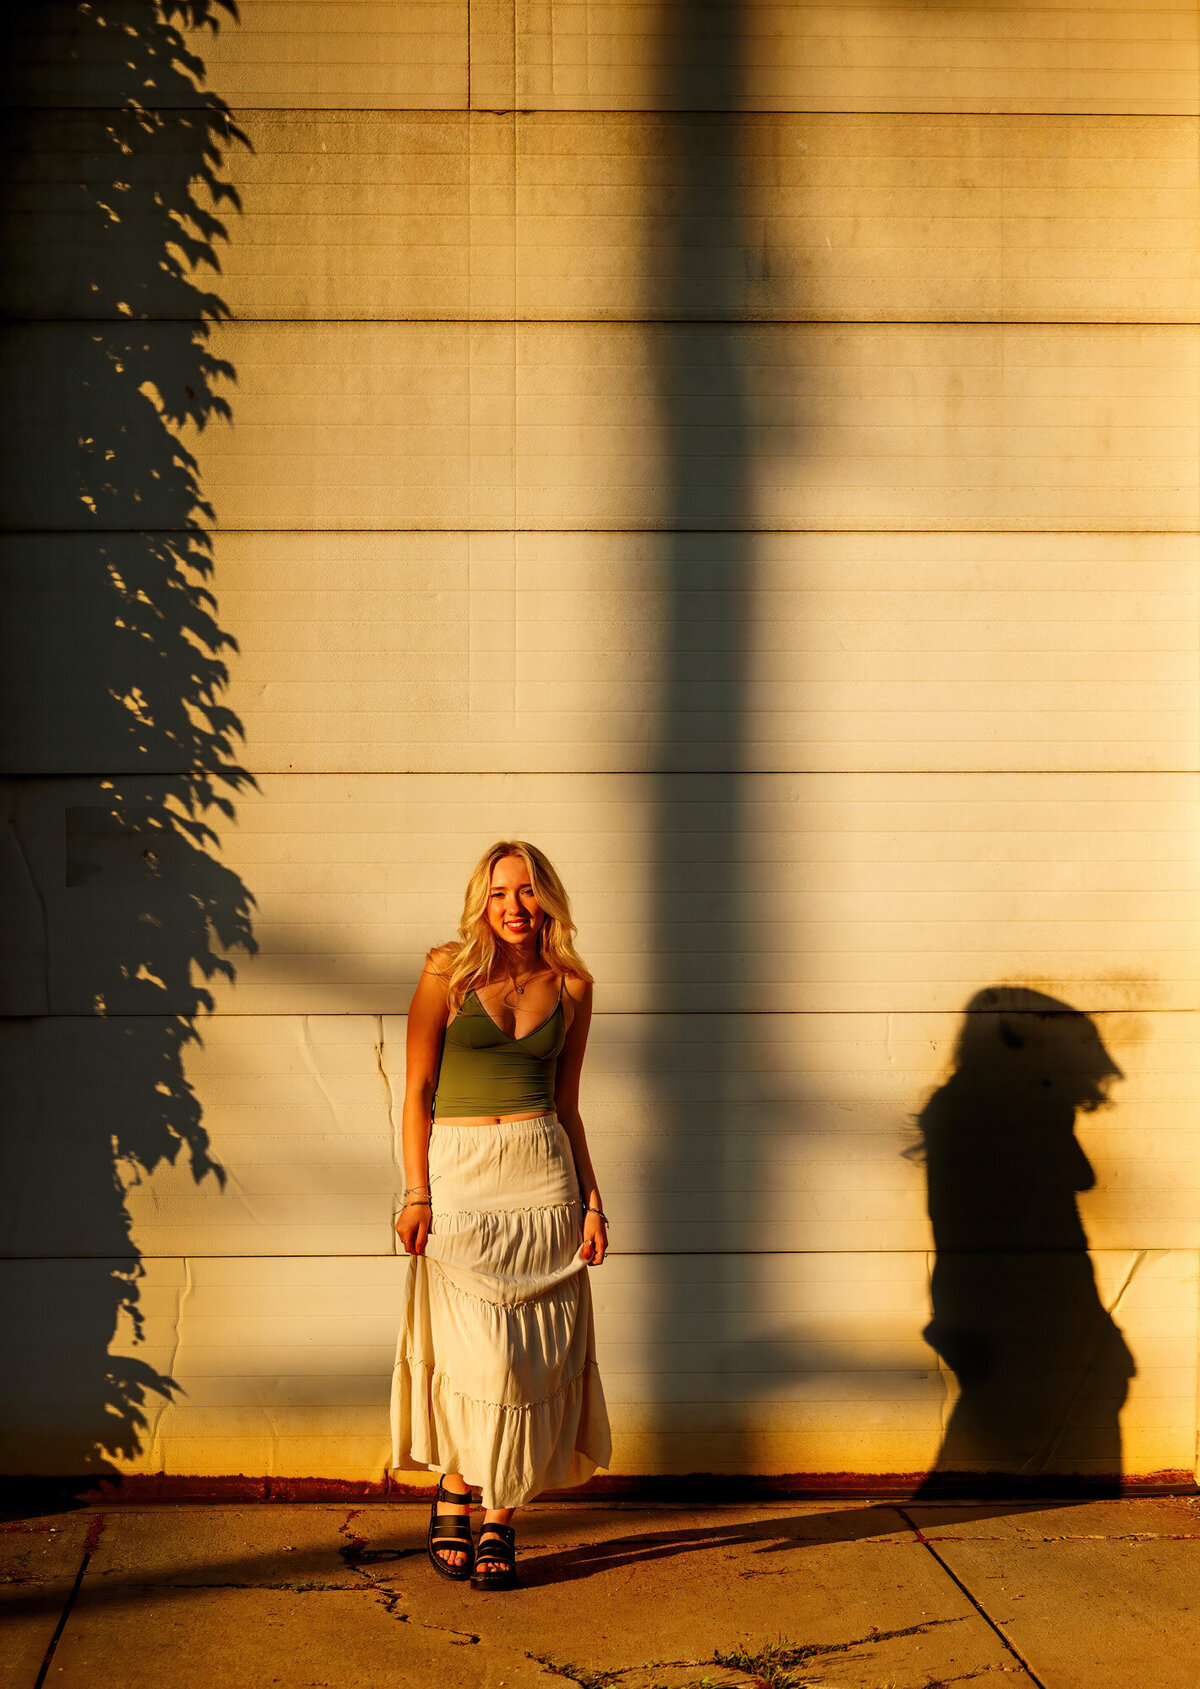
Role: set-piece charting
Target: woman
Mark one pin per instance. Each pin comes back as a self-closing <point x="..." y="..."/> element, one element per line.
<point x="495" y="1382"/>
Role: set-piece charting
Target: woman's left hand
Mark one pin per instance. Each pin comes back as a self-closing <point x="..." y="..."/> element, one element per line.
<point x="595" y="1239"/>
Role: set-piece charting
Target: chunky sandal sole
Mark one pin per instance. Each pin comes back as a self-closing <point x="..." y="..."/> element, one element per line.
<point x="497" y="1580"/>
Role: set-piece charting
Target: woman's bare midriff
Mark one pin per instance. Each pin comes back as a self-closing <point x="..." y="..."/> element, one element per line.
<point x="492" y="1119"/>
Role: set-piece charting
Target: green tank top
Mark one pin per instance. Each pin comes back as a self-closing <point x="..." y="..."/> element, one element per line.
<point x="484" y="1070"/>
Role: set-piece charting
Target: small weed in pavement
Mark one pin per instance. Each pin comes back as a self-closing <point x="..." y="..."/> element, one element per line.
<point x="772" y="1667"/>
<point x="581" y="1675"/>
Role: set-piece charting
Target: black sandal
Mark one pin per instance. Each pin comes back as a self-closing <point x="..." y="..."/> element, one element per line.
<point x="502" y="1547"/>
<point x="452" y="1531"/>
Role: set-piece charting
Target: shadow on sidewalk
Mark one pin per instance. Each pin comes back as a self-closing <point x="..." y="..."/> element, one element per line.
<point x="357" y="1564"/>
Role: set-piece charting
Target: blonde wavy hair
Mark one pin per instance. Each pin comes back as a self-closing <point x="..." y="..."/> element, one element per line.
<point x="473" y="959"/>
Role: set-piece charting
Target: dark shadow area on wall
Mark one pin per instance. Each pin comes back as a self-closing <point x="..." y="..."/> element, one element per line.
<point x="1041" y="1365"/>
<point x="119" y="757"/>
<point x="700" y="937"/>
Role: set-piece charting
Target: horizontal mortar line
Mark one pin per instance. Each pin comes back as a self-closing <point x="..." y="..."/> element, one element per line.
<point x="613" y="321"/>
<point x="605" y="774"/>
<point x="627" y="1255"/>
<point x="681" y="113"/>
<point x="206" y="1016"/>
<point x="214" y="533"/>
<point x="739" y="772"/>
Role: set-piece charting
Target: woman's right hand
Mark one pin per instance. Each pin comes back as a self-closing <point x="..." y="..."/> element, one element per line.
<point x="412" y="1227"/>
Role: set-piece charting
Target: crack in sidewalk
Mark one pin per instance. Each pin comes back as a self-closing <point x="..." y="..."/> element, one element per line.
<point x="357" y="1556"/>
<point x="770" y="1665"/>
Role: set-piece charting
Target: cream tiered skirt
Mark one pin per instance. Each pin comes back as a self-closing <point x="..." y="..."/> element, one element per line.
<point x="495" y="1367"/>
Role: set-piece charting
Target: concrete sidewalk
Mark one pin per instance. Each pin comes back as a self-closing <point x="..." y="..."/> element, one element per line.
<point x="1095" y="1595"/>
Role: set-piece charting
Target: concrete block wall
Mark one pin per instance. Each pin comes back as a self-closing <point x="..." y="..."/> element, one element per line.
<point x="750" y="450"/>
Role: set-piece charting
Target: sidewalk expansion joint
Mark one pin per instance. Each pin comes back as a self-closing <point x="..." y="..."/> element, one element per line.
<point x="979" y="1608"/>
<point x="91" y="1543"/>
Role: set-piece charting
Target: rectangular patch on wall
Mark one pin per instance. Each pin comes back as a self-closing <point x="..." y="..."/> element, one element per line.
<point x="104" y="849"/>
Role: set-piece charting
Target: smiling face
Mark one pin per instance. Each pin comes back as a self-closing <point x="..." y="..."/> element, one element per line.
<point x="513" y="911"/>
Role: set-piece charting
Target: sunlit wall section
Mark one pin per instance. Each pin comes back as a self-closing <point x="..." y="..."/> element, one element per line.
<point x="750" y="450"/>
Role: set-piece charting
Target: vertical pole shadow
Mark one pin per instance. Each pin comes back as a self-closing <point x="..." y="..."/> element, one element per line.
<point x="1041" y="1365"/>
<point x="697" y="876"/>
<point x="119" y="756"/>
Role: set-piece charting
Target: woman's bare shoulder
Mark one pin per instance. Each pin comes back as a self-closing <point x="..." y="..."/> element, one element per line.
<point x="440" y="959"/>
<point x="578" y="989"/>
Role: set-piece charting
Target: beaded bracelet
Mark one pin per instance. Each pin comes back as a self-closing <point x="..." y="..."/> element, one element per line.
<point x="588" y="1209"/>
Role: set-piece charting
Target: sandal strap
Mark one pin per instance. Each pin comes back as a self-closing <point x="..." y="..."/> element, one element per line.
<point x="447" y="1527"/>
<point x="453" y="1496"/>
<point x="502" y="1546"/>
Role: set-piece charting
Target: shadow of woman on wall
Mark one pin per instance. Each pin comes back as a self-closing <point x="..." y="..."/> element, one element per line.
<point x="119" y="755"/>
<point x="1041" y="1365"/>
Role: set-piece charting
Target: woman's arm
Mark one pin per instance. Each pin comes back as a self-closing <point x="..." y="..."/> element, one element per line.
<point x="566" y="1106"/>
<point x="427" y="1016"/>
